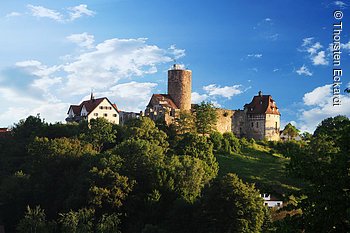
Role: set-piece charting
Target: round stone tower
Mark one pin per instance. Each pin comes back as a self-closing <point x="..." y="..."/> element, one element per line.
<point x="180" y="87"/>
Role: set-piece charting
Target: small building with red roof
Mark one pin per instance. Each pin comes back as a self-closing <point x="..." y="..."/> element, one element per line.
<point x="92" y="109"/>
<point x="262" y="118"/>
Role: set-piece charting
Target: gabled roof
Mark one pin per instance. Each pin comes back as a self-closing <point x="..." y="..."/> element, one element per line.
<point x="162" y="99"/>
<point x="3" y="130"/>
<point x="90" y="105"/>
<point x="262" y="104"/>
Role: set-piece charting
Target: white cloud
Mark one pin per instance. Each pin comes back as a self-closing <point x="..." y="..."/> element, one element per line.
<point x="314" y="48"/>
<point x="304" y="71"/>
<point x="178" y="53"/>
<point x="19" y="105"/>
<point x="341" y="4"/>
<point x="13" y="14"/>
<point x="320" y="58"/>
<point x="82" y="40"/>
<point x="216" y="104"/>
<point x="319" y="106"/>
<point x="273" y="37"/>
<point x="78" y="11"/>
<point x="73" y="13"/>
<point x="276" y="69"/>
<point x="198" y="98"/>
<point x="226" y="91"/>
<point x="113" y="60"/>
<point x="36" y="68"/>
<point x="42" y="12"/>
<point x="307" y="41"/>
<point x="268" y="19"/>
<point x="256" y="55"/>
<point x="132" y="96"/>
<point x="316" y="55"/>
<point x="111" y="68"/>
<point x="319" y="96"/>
<point x="346" y="46"/>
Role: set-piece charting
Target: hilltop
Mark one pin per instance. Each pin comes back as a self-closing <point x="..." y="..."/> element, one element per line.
<point x="258" y="164"/>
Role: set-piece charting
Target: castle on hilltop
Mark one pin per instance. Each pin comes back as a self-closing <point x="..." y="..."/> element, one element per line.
<point x="260" y="119"/>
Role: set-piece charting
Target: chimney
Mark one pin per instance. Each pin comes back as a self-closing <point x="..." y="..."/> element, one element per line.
<point x="260" y="93"/>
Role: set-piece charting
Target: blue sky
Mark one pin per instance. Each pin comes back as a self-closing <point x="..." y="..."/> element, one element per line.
<point x="53" y="53"/>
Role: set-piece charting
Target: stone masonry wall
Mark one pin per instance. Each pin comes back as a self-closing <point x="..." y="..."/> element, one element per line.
<point x="224" y="120"/>
<point x="239" y="124"/>
<point x="180" y="88"/>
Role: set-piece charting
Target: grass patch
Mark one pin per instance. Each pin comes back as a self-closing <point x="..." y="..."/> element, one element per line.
<point x="257" y="165"/>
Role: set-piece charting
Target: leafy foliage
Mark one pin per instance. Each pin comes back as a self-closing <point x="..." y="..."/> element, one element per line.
<point x="325" y="164"/>
<point x="206" y="118"/>
<point x="232" y="206"/>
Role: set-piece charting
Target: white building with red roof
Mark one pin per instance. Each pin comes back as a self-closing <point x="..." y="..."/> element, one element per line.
<point x="92" y="109"/>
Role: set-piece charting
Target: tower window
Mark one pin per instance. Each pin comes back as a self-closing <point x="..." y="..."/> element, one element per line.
<point x="252" y="124"/>
<point x="257" y="124"/>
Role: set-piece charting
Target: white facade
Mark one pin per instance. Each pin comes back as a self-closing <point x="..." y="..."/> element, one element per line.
<point x="271" y="203"/>
<point x="105" y="110"/>
<point x="92" y="109"/>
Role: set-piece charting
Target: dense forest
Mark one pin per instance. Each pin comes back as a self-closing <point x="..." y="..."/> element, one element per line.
<point x="148" y="177"/>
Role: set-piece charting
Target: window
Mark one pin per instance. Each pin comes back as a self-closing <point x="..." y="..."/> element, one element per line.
<point x="252" y="124"/>
<point x="276" y="126"/>
<point x="257" y="124"/>
<point x="114" y="115"/>
<point x="110" y="108"/>
<point x="96" y="114"/>
<point x="105" y="114"/>
<point x="278" y="204"/>
<point x="101" y="107"/>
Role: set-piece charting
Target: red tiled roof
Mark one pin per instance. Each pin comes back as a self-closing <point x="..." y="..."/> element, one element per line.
<point x="262" y="104"/>
<point x="90" y="105"/>
<point x="115" y="107"/>
<point x="3" y="130"/>
<point x="76" y="109"/>
<point x="165" y="99"/>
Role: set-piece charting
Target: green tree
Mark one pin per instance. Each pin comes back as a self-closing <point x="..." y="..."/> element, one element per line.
<point x="109" y="189"/>
<point x="77" y="222"/>
<point x="206" y="118"/>
<point x="188" y="176"/>
<point x="145" y="129"/>
<point x="100" y="132"/>
<point x="230" y="205"/>
<point x="26" y="130"/>
<point x="217" y="139"/>
<point x="291" y="131"/>
<point x="306" y="136"/>
<point x="198" y="147"/>
<point x="34" y="221"/>
<point x="324" y="163"/>
<point x="185" y="123"/>
<point x="109" y="224"/>
<point x="233" y="142"/>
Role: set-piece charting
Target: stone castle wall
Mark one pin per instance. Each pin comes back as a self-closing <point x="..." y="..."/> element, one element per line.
<point x="238" y="123"/>
<point x="224" y="120"/>
<point x="179" y="88"/>
<point x="256" y="126"/>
